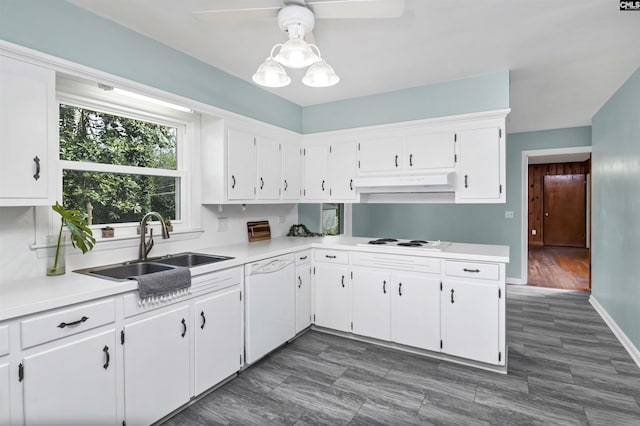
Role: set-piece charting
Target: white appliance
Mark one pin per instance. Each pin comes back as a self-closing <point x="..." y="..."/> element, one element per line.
<point x="417" y="245"/>
<point x="270" y="305"/>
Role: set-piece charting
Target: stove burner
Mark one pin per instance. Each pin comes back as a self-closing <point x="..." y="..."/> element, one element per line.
<point x="387" y="240"/>
<point x="378" y="242"/>
<point x="410" y="244"/>
<point x="419" y="241"/>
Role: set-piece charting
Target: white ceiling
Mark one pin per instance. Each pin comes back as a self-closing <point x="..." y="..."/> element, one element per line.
<point x="560" y="158"/>
<point x="566" y="57"/>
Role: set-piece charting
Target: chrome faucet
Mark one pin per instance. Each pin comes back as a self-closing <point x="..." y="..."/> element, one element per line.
<point x="146" y="246"/>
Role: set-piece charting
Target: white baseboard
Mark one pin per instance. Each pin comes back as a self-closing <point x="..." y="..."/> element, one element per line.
<point x="617" y="331"/>
<point x="517" y="281"/>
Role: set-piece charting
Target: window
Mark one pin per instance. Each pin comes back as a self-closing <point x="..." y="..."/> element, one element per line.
<point x="117" y="167"/>
<point x="331" y="218"/>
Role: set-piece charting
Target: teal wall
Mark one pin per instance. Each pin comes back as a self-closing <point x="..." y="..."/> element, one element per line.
<point x="616" y="207"/>
<point x="466" y="223"/>
<point x="474" y="94"/>
<point x="69" y="32"/>
<point x="309" y="215"/>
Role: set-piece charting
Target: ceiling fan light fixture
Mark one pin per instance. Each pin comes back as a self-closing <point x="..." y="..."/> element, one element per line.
<point x="271" y="74"/>
<point x="297" y="53"/>
<point x="320" y="74"/>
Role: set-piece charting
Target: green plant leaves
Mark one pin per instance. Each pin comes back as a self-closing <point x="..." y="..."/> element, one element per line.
<point x="74" y="220"/>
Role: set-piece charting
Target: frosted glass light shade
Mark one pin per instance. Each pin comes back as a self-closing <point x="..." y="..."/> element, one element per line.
<point x="320" y="74"/>
<point x="271" y="74"/>
<point x="297" y="53"/>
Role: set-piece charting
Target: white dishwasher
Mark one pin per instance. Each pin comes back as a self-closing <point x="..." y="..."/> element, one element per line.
<point x="270" y="305"/>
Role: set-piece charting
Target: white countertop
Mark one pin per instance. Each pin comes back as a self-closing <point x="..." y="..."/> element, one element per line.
<point x="27" y="296"/>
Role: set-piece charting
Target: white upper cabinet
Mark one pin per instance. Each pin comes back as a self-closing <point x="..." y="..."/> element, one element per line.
<point x="291" y="167"/>
<point x="28" y="139"/>
<point x="342" y="170"/>
<point x="425" y="150"/>
<point x="316" y="168"/>
<point x="269" y="169"/>
<point x="241" y="165"/>
<point x="481" y="166"/>
<point x="380" y="155"/>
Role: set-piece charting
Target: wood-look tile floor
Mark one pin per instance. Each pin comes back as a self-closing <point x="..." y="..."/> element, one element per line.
<point x="565" y="367"/>
<point x="559" y="267"/>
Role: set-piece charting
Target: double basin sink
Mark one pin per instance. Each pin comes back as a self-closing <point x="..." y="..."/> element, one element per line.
<point x="125" y="270"/>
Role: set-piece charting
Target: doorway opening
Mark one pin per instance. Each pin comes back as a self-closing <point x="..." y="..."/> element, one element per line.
<point x="557" y="222"/>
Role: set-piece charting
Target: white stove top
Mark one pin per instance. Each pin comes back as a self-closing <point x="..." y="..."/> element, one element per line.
<point x="417" y="245"/>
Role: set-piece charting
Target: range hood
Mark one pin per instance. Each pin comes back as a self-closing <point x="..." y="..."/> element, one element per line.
<point x="436" y="182"/>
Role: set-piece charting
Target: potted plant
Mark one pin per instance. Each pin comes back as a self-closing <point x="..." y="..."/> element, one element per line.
<point x="80" y="234"/>
<point x="107" y="232"/>
<point x="169" y="225"/>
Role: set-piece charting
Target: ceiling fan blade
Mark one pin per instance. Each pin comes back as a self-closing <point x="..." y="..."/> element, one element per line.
<point x="233" y="8"/>
<point x="356" y="9"/>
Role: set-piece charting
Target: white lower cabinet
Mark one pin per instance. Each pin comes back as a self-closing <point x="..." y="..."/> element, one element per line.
<point x="303" y="297"/>
<point x="74" y="382"/>
<point x="415" y="310"/>
<point x="471" y="320"/>
<point x="5" y="397"/>
<point x="156" y="365"/>
<point x="371" y="304"/>
<point x="217" y="338"/>
<point x="331" y="296"/>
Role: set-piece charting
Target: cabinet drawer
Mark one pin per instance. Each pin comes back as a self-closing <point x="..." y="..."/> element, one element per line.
<point x="331" y="256"/>
<point x="4" y="340"/>
<point x="395" y="261"/>
<point x="66" y="322"/>
<point x="485" y="271"/>
<point x="303" y="257"/>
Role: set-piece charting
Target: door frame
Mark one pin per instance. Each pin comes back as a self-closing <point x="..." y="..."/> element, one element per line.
<point x="524" y="200"/>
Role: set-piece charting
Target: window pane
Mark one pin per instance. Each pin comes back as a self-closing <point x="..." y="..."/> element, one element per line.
<point x="120" y="198"/>
<point x="94" y="136"/>
<point x="331" y="218"/>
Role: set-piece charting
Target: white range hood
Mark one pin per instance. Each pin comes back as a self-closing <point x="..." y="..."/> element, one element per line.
<point x="437" y="182"/>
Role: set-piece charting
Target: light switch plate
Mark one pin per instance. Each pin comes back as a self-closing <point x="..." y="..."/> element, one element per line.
<point x="223" y="225"/>
<point x="508" y="214"/>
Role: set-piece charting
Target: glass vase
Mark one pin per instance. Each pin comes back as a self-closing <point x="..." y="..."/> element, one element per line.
<point x="55" y="255"/>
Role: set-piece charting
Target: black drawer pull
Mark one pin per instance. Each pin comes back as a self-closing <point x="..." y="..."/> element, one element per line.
<point x="384" y="287"/>
<point x="303" y="257"/>
<point x="466" y="181"/>
<point x="286" y="185"/>
<point x="399" y="289"/>
<point x="233" y="178"/>
<point x="261" y="183"/>
<point x="410" y="160"/>
<point x="322" y="185"/>
<point x="184" y="327"/>
<point x="299" y="281"/>
<point x="342" y="281"/>
<point x="204" y="320"/>
<point x="328" y="256"/>
<point x="471" y="270"/>
<point x="68" y="324"/>
<point x="396" y="161"/>
<point x="452" y="301"/>
<point x="106" y="352"/>
<point x="351" y="184"/>
<point x="36" y="160"/>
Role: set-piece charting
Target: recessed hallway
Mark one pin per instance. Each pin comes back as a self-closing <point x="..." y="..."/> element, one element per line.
<point x="559" y="267"/>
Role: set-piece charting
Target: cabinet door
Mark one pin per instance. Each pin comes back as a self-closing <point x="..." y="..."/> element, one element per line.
<point x="217" y="338"/>
<point x="371" y="304"/>
<point x="380" y="155"/>
<point x="303" y="297"/>
<point x="76" y="381"/>
<point x="269" y="169"/>
<point x="415" y="311"/>
<point x="156" y="366"/>
<point x="241" y="165"/>
<point x="470" y="320"/>
<point x="291" y="165"/>
<point x="5" y="399"/>
<point x="343" y="160"/>
<point x="316" y="185"/>
<point x="331" y="291"/>
<point x="430" y="150"/>
<point x="27" y="124"/>
<point x="480" y="165"/>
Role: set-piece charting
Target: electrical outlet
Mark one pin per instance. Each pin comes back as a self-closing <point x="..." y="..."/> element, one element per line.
<point x="281" y="219"/>
<point x="508" y="214"/>
<point x="223" y="224"/>
<point x="534" y="232"/>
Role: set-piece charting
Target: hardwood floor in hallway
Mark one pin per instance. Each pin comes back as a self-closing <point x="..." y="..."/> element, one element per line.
<point x="559" y="267"/>
<point x="565" y="367"/>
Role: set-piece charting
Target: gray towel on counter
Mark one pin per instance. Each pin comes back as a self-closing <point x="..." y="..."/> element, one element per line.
<point x="163" y="284"/>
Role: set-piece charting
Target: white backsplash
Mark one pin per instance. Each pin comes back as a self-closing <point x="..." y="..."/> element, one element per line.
<point x="17" y="234"/>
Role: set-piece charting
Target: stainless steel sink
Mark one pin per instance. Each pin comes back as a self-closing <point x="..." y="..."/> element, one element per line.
<point x="124" y="271"/>
<point x="190" y="259"/>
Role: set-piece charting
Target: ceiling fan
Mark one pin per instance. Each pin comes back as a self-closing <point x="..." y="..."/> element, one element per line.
<point x="297" y="19"/>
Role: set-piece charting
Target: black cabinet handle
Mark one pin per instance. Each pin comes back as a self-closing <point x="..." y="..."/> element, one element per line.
<point x="233" y="179"/>
<point x="204" y="320"/>
<point x="322" y="185"/>
<point x="399" y="289"/>
<point x="286" y="185"/>
<point x="466" y="179"/>
<point x="396" y="161"/>
<point x="36" y="160"/>
<point x="67" y="324"/>
<point x="299" y="281"/>
<point x="303" y="257"/>
<point x="184" y="327"/>
<point x="329" y="256"/>
<point x="351" y="184"/>
<point x="261" y="183"/>
<point x="106" y="352"/>
<point x="343" y="281"/>
<point x="471" y="270"/>
<point x="410" y="160"/>
<point x="384" y="287"/>
<point x="452" y="301"/>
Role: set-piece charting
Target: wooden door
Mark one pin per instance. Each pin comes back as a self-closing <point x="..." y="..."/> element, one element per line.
<point x="565" y="210"/>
